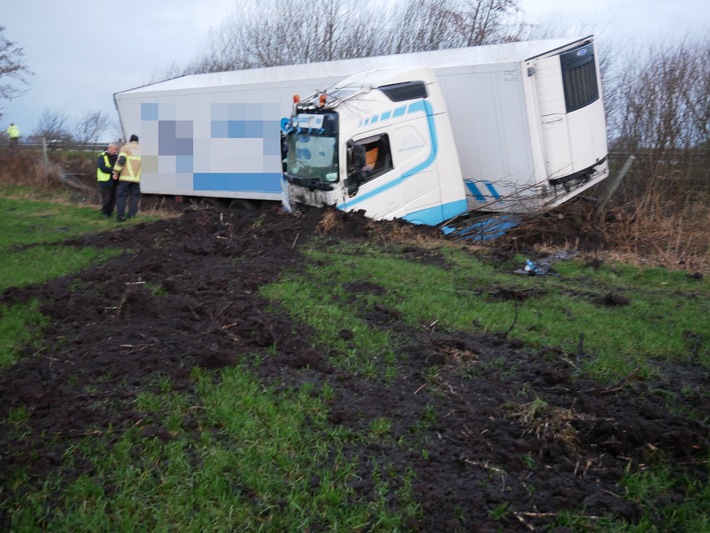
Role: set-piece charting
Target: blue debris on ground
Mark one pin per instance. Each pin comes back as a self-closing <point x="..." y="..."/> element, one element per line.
<point x="543" y="266"/>
<point x="484" y="229"/>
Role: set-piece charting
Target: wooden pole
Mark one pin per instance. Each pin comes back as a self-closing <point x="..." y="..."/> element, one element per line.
<point x="615" y="184"/>
<point x="44" y="153"/>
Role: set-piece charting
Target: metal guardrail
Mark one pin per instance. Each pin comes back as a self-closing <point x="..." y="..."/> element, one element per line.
<point x="62" y="146"/>
<point x="45" y="148"/>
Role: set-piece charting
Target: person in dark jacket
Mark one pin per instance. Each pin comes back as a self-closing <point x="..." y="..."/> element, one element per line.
<point x="107" y="185"/>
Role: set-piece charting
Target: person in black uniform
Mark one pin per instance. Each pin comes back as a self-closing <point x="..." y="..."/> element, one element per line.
<point x="107" y="185"/>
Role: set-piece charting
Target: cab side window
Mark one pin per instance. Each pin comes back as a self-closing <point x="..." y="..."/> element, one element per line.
<point x="368" y="158"/>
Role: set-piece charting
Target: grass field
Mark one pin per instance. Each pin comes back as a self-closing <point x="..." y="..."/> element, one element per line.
<point x="611" y="322"/>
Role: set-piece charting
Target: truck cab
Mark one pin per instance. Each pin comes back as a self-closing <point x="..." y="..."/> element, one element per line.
<point x="380" y="142"/>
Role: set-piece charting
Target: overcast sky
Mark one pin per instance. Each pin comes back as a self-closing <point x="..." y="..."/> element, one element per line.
<point x="83" y="51"/>
<point x="624" y="21"/>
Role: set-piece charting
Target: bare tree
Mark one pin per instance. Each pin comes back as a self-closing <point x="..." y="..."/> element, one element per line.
<point x="90" y="126"/>
<point x="288" y="32"/>
<point x="53" y="126"/>
<point x="290" y="38"/>
<point x="12" y="67"/>
<point x="421" y="26"/>
<point x="485" y="22"/>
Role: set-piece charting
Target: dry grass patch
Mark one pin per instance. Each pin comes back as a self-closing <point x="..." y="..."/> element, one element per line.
<point x="673" y="233"/>
<point x="661" y="235"/>
<point x="545" y="421"/>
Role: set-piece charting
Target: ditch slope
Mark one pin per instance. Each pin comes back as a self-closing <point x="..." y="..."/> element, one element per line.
<point x="492" y="455"/>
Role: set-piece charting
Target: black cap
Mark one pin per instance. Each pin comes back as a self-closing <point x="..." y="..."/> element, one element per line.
<point x="133" y="138"/>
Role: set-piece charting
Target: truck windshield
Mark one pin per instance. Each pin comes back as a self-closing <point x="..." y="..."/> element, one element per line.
<point x="312" y="157"/>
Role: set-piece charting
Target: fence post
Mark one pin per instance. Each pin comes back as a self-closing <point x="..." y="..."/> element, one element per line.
<point x="44" y="153"/>
<point x="615" y="184"/>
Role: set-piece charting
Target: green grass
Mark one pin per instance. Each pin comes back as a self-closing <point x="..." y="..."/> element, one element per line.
<point x="32" y="221"/>
<point x="329" y="315"/>
<point x="666" y="316"/>
<point x="258" y="463"/>
<point x="18" y="324"/>
<point x="30" y="245"/>
<point x="41" y="263"/>
<point x="657" y="481"/>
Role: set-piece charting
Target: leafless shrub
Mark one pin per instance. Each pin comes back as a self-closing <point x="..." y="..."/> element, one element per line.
<point x="27" y="168"/>
<point x="54" y="127"/>
<point x="660" y="113"/>
<point x="662" y="117"/>
<point x="652" y="228"/>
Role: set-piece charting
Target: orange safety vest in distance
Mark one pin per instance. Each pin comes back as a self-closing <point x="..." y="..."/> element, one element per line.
<point x="129" y="163"/>
<point x="100" y="174"/>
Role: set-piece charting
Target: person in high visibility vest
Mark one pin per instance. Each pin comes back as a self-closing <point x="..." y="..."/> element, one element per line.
<point x="14" y="133"/>
<point x="128" y="173"/>
<point x="107" y="185"/>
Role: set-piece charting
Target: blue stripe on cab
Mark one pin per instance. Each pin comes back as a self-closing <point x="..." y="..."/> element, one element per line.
<point x="437" y="214"/>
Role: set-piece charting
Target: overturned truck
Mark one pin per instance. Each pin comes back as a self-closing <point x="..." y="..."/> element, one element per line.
<point x="515" y="127"/>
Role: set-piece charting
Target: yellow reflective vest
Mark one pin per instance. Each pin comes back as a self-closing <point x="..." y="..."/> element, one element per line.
<point x="100" y="174"/>
<point x="13" y="132"/>
<point x="128" y="165"/>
